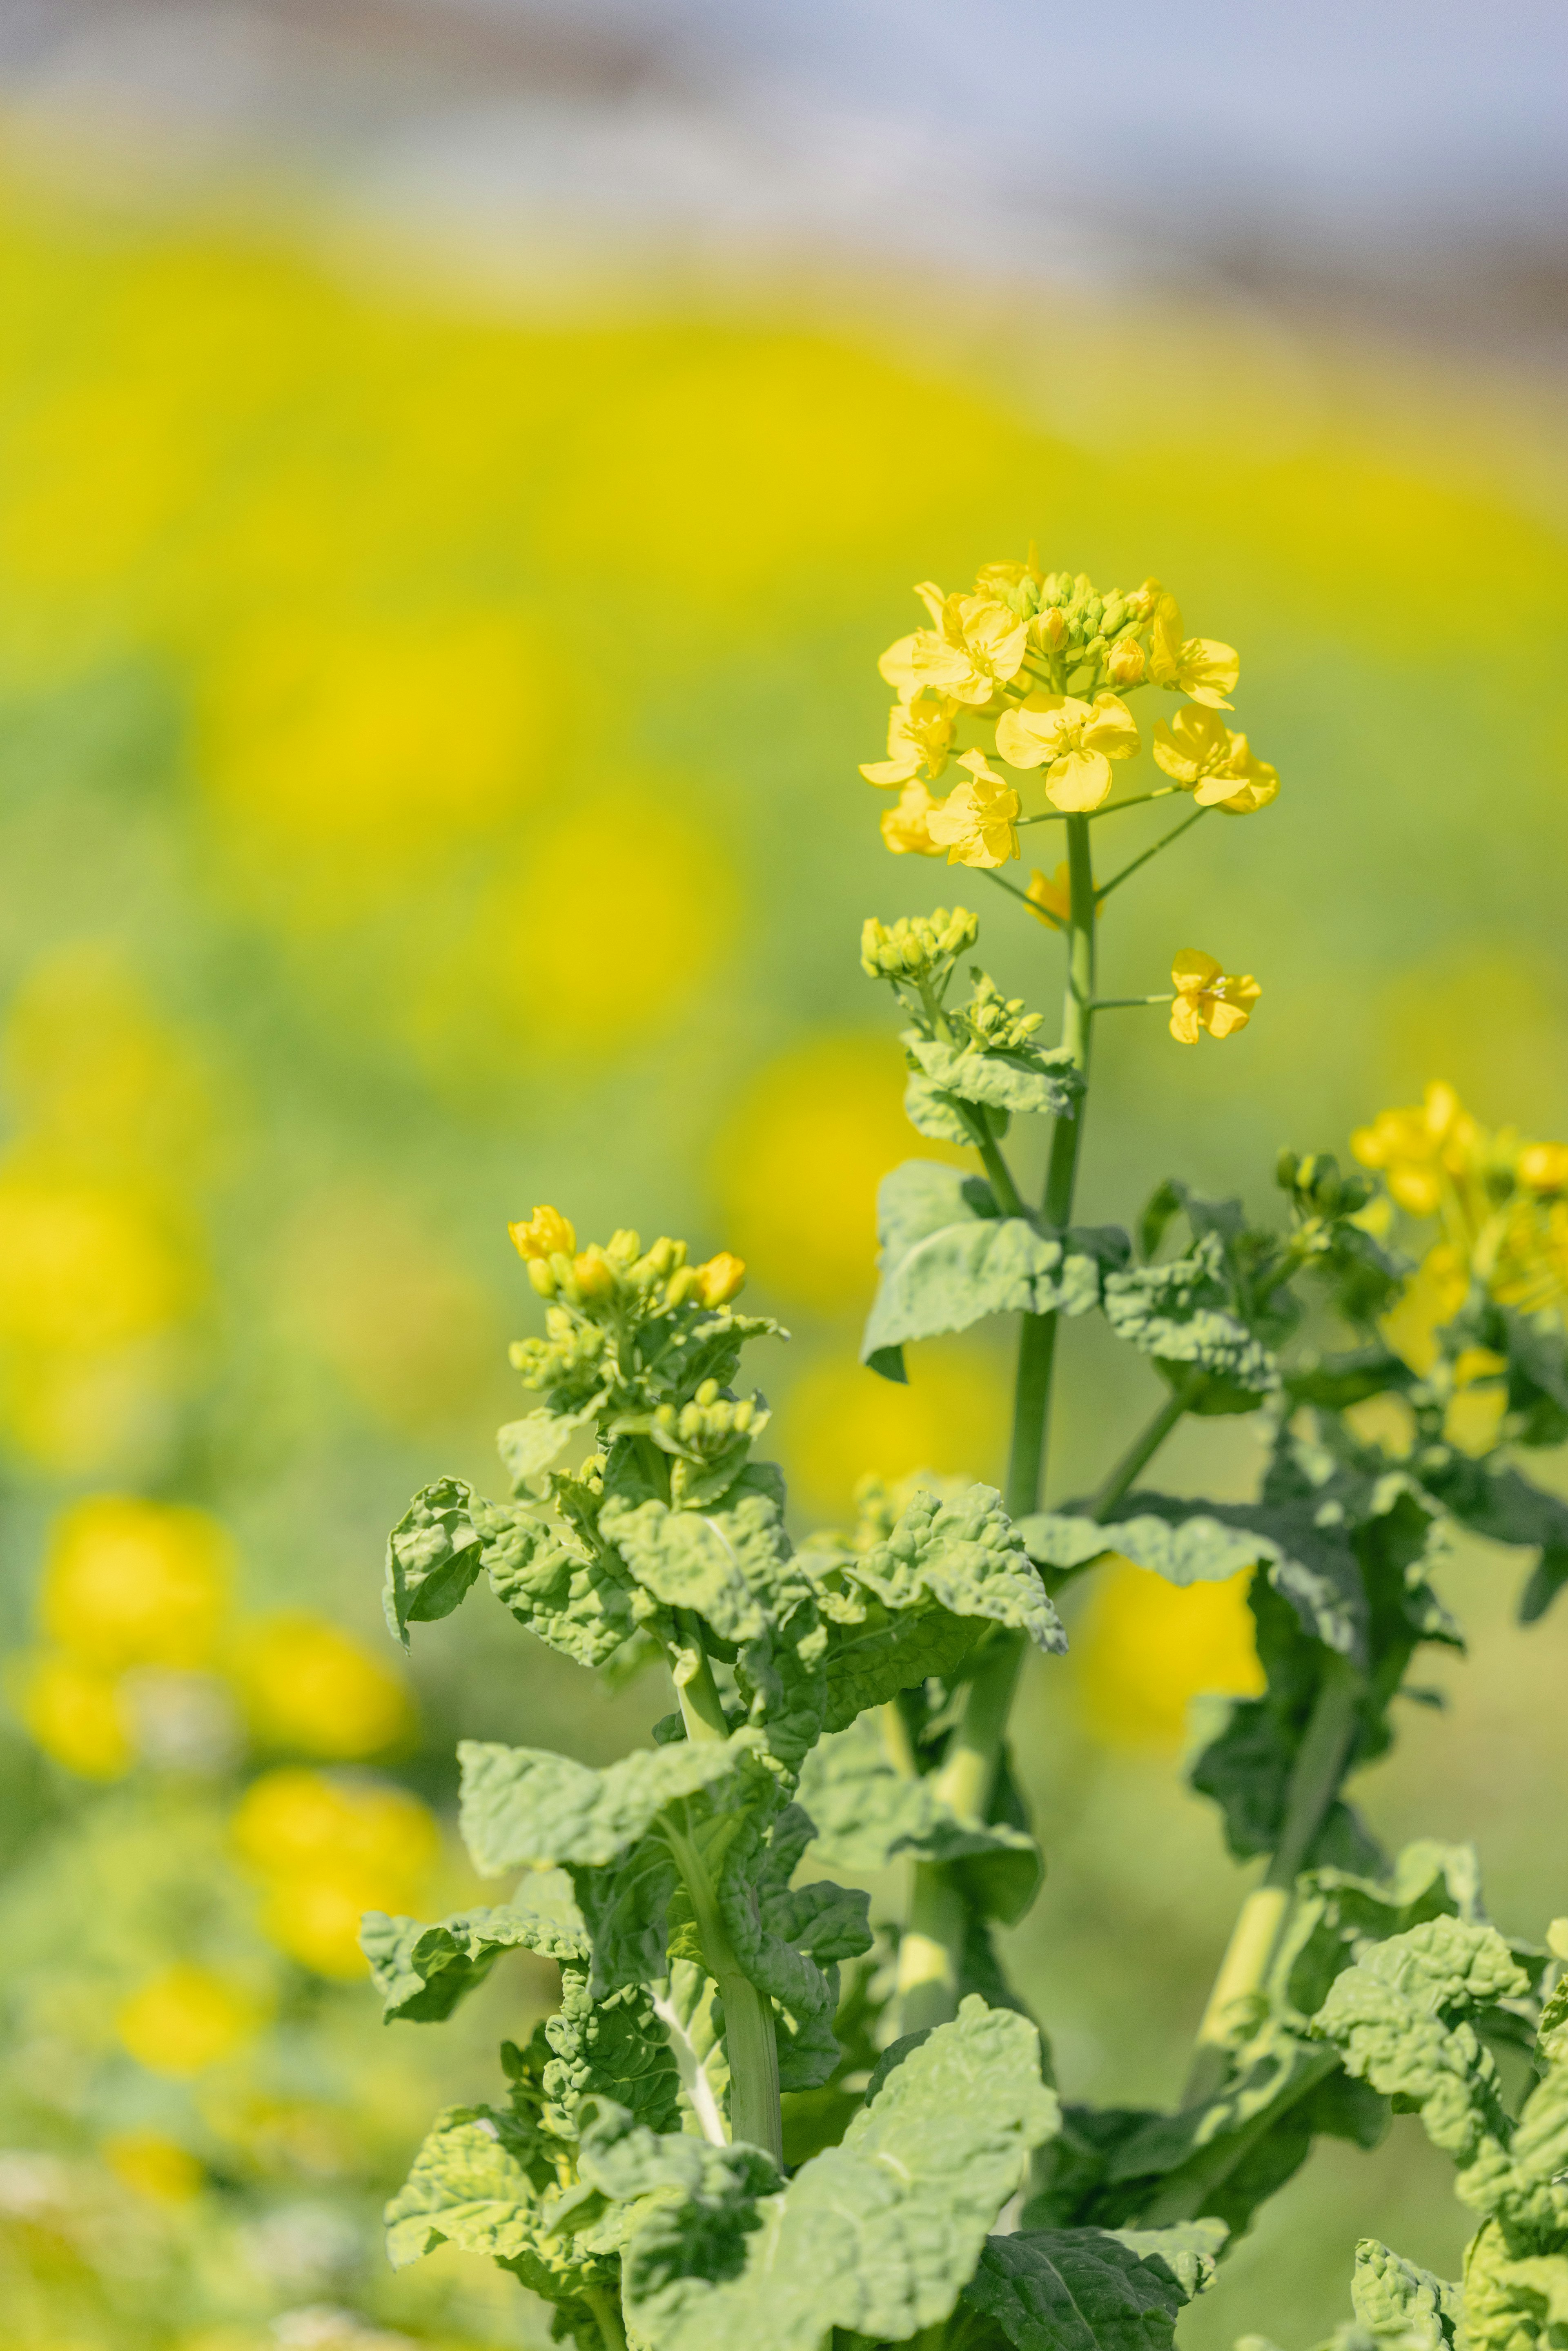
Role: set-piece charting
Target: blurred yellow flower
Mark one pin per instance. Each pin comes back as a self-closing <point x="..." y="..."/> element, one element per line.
<point x="308" y="1687"/>
<point x="153" y="2165"/>
<point x="721" y="1279"/>
<point x="1078" y="739"/>
<point x="973" y="646"/>
<point x="186" y="2018"/>
<point x="133" y="1582"/>
<point x="85" y="1265"/>
<point x="1052" y="899"/>
<point x="1414" y="1148"/>
<point x="919" y="736"/>
<point x="1147" y="1648"/>
<point x="1473" y="1418"/>
<point x="1544" y="1167"/>
<point x="842" y="1424"/>
<point x="1198" y="666"/>
<point x="326" y="1851"/>
<point x="1218" y="768"/>
<point x="906" y="829"/>
<point x="977" y="821"/>
<point x="1209" y="997"/>
<point x="1430" y="1299"/>
<point x="547" y="1233"/>
<point x="76" y="1714"/>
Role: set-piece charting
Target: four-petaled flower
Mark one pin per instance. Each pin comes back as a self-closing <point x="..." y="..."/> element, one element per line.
<point x="1198" y="666"/>
<point x="919" y="736"/>
<point x="973" y="646"/>
<point x="1079" y="738"/>
<point x="1209" y="997"/>
<point x="1216" y="767"/>
<point x="977" y="821"/>
<point x="906" y="829"/>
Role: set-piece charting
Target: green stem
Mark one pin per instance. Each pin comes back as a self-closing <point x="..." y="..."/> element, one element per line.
<point x="749" y="2038"/>
<point x="1008" y="1198"/>
<point x="1315" y="1783"/>
<point x="1143" y="1449"/>
<point x="696" y="1692"/>
<point x="606" y="2309"/>
<point x="1164" y="841"/>
<point x="1138" y="799"/>
<point x="1121" y="1003"/>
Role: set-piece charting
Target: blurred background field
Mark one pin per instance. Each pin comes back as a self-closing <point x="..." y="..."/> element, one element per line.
<point x="458" y="468"/>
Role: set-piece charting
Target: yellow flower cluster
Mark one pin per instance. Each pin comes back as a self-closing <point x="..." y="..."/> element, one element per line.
<point x="1039" y="661"/>
<point x="325" y="1852"/>
<point x="547" y="1243"/>
<point x="1501" y="1206"/>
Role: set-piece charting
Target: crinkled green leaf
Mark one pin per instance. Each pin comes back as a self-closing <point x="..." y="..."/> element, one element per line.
<point x="935" y="1114"/>
<point x="879" y="1652"/>
<point x="1181" y="1313"/>
<point x="1393" y="2295"/>
<point x="948" y="1259"/>
<point x="1492" y="1499"/>
<point x="477" y="2183"/>
<point x="522" y="1806"/>
<point x="878" y="2235"/>
<point x="866" y="1814"/>
<point x="1513" y="2300"/>
<point x="1093" y="2289"/>
<point x="610" y="2048"/>
<point x="421" y="1972"/>
<point x="532" y="1444"/>
<point x="1031" y="1078"/>
<point x="731" y="1563"/>
<point x="433" y="1557"/>
<point x="569" y="1596"/>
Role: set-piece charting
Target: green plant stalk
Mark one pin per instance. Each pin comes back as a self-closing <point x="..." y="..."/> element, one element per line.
<point x="607" y="2316"/>
<point x="750" y="2042"/>
<point x="1315" y="1784"/>
<point x="1142" y="1450"/>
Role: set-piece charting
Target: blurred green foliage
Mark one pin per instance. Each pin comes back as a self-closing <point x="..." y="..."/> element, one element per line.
<point x="427" y="787"/>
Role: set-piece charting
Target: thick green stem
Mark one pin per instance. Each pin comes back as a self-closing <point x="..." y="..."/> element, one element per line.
<point x="1315" y="1784"/>
<point x="749" y="2038"/>
<point x="1142" y="1450"/>
<point x="606" y="2309"/>
<point x="696" y="1692"/>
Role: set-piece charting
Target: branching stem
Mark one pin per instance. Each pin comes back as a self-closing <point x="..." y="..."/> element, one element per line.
<point x="749" y="2038"/>
<point x="606" y="2308"/>
<point x="1164" y="841"/>
<point x="1143" y="1449"/>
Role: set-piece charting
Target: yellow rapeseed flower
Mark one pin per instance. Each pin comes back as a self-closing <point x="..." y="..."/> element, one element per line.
<point x="133" y="1582"/>
<point x="1216" y="766"/>
<point x="1198" y="666"/>
<point x="971" y="648"/>
<point x="153" y="2165"/>
<point x="977" y="821"/>
<point x="308" y="1687"/>
<point x="1431" y="1298"/>
<point x="1543" y="1166"/>
<point x="184" y="2019"/>
<point x="1078" y="739"/>
<point x="906" y="829"/>
<point x="1414" y="1148"/>
<point x="546" y="1234"/>
<point x="75" y="1713"/>
<point x="326" y="1852"/>
<point x="919" y="737"/>
<point x="1209" y="997"/>
<point x="1052" y="899"/>
<point x="721" y="1279"/>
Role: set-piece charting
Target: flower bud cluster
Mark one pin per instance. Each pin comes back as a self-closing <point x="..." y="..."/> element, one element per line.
<point x="621" y="1268"/>
<point x="922" y="948"/>
<point x="998" y="1024"/>
<point x="1318" y="1187"/>
<point x="710" y="1423"/>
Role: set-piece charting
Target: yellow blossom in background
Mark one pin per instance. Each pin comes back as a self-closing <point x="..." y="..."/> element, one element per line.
<point x="153" y="2165"/>
<point x="547" y="1233"/>
<point x="1473" y="1418"/>
<point x="842" y="1424"/>
<point x="919" y="737"/>
<point x="1147" y="1648"/>
<point x="1544" y="1167"/>
<point x="85" y="1265"/>
<point x="76" y="1714"/>
<point x="186" y="2018"/>
<point x="973" y="647"/>
<point x="906" y="829"/>
<point x="1209" y="997"/>
<point x="325" y="1852"/>
<point x="1414" y="1148"/>
<point x="1052" y="898"/>
<point x="1078" y="739"/>
<point x="133" y="1582"/>
<point x="1216" y="767"/>
<point x="1431" y="1298"/>
<point x="308" y="1687"/>
<point x="1198" y="666"/>
<point x="977" y="821"/>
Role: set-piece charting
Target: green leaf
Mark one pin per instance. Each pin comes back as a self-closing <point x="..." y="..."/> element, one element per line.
<point x="609" y="2048"/>
<point x="421" y="1972"/>
<point x="1514" y="2300"/>
<point x="935" y="1114"/>
<point x="479" y="2183"/>
<point x="878" y="2235"/>
<point x="433" y="1557"/>
<point x="1492" y="1499"/>
<point x="789" y="1939"/>
<point x="948" y="1259"/>
<point x="568" y="1596"/>
<point x="1182" y="1314"/>
<point x="732" y="1564"/>
<point x="529" y="1447"/>
<point x="1093" y="2289"/>
<point x="522" y="1807"/>
<point x="866" y="1814"/>
<point x="1391" y="2294"/>
<point x="1029" y="1078"/>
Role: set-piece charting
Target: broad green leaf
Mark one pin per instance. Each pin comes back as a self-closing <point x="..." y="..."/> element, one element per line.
<point x="1030" y="1079"/>
<point x="609" y="2048"/>
<point x="1391" y="2294"/>
<point x="1182" y="1314"/>
<point x="1494" y="1500"/>
<point x="433" y="1557"/>
<point x="730" y="1563"/>
<point x="867" y="1813"/>
<point x="1513" y="2300"/>
<point x="570" y="1597"/>
<point x="523" y="1807"/>
<point x="1093" y="2289"/>
<point x="529" y="1447"/>
<point x="878" y="2235"/>
<point x="421" y="1972"/>
<point x="948" y="1259"/>
<point x="935" y="1114"/>
<point x="479" y="2182"/>
<point x="789" y="1939"/>
<point x="875" y="1653"/>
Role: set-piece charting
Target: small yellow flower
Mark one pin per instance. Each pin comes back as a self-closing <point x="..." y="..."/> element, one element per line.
<point x="1415" y="1147"/>
<point x="971" y="648"/>
<point x="721" y="1279"/>
<point x="977" y="821"/>
<point x="1216" y="767"/>
<point x="152" y="2166"/>
<point x="184" y="2020"/>
<point x="133" y="1582"/>
<point x="919" y="736"/>
<point x="1207" y="998"/>
<point x="1431" y="1298"/>
<point x="307" y="1686"/>
<point x="1079" y="739"/>
<point x="1543" y="1166"/>
<point x="546" y="1234"/>
<point x="1053" y="900"/>
<point x="1198" y="666"/>
<point x="906" y="829"/>
<point x="76" y="1714"/>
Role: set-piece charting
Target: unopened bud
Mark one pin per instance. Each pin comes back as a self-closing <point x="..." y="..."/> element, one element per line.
<point x="546" y="1234"/>
<point x="720" y="1279"/>
<point x="595" y="1274"/>
<point x="540" y="1275"/>
<point x="681" y="1285"/>
<point x="623" y="1249"/>
<point x="1127" y="662"/>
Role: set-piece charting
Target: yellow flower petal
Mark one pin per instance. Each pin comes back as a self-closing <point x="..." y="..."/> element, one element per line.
<point x="1111" y="729"/>
<point x="1184" y="1020"/>
<point x="1191" y="970"/>
<point x="1052" y="899"/>
<point x="1208" y="671"/>
<point x="887" y="773"/>
<point x="906" y="828"/>
<point x="1080" y="781"/>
